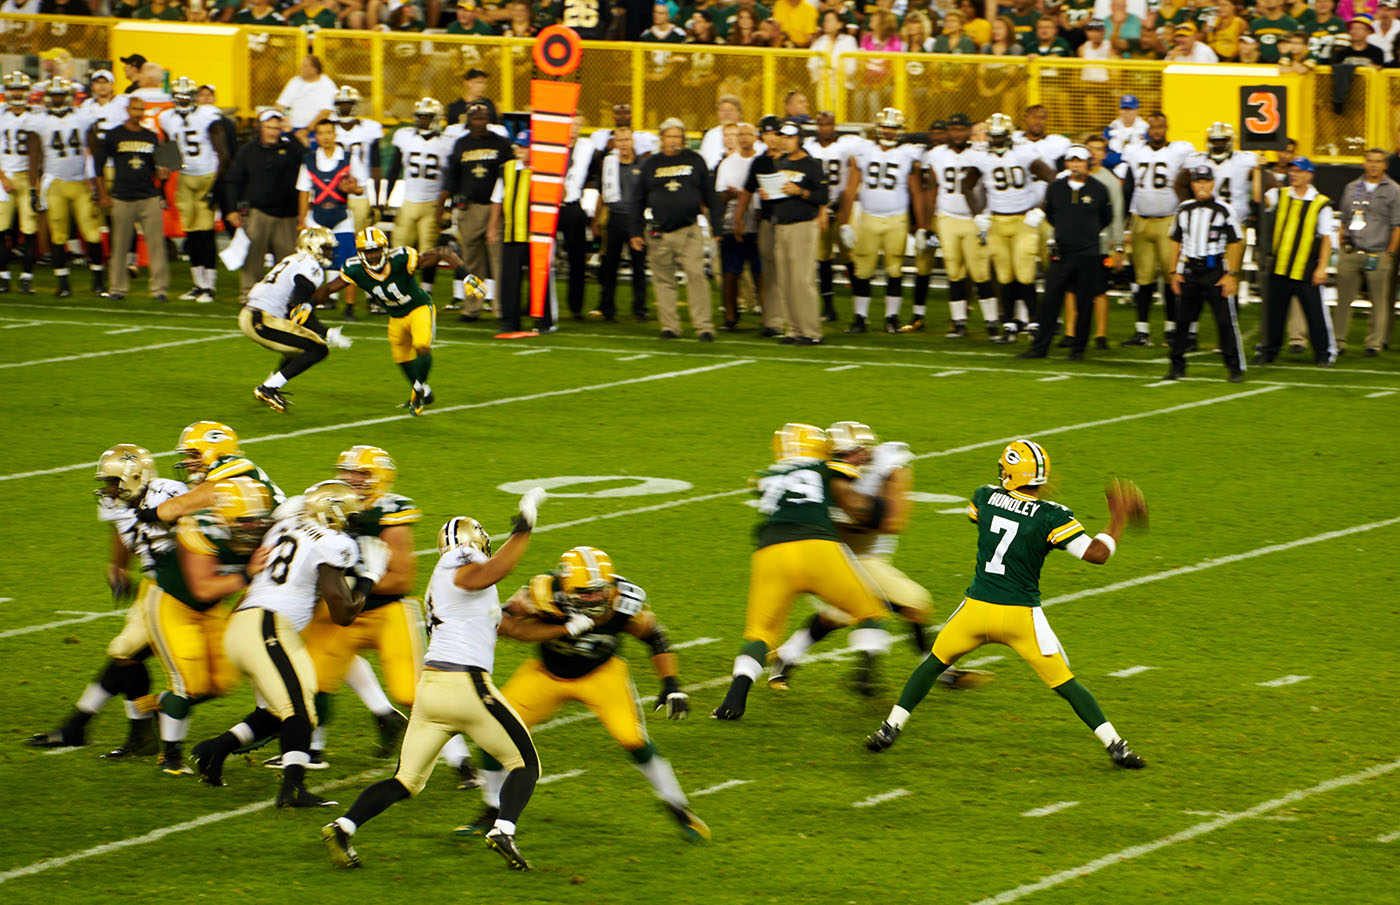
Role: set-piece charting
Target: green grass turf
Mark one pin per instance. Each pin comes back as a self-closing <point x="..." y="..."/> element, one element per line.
<point x="1292" y="453"/>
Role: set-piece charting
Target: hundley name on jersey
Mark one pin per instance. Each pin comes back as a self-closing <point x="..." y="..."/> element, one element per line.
<point x="1011" y="504"/>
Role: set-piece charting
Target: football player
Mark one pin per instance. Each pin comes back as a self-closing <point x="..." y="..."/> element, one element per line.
<point x="1016" y="530"/>
<point x="16" y="133"/>
<point x="880" y="175"/>
<point x="309" y="558"/>
<point x="198" y="134"/>
<point x="184" y="616"/>
<point x="1012" y="220"/>
<point x="61" y="182"/>
<point x="456" y="694"/>
<point x="127" y="479"/>
<point x="209" y="453"/>
<point x="799" y="550"/>
<point x="584" y="668"/>
<point x="834" y="152"/>
<point x="360" y="138"/>
<point x="279" y="314"/>
<point x="1149" y="173"/>
<point x="952" y="202"/>
<point x="421" y="156"/>
<point x="389" y="276"/>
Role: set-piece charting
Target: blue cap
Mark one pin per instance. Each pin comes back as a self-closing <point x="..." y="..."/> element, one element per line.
<point x="522" y="138"/>
<point x="1304" y="164"/>
<point x="1129" y="102"/>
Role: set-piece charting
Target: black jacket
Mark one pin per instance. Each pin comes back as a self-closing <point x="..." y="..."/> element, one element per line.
<point x="265" y="178"/>
<point x="676" y="188"/>
<point x="1078" y="215"/>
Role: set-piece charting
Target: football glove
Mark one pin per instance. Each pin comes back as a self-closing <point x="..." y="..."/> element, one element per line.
<point x="675" y="702"/>
<point x="529" y="509"/>
<point x="35" y="201"/>
<point x="577" y="624"/>
<point x="920" y="239"/>
<point x="147" y="514"/>
<point x="337" y="340"/>
<point x="848" y="235"/>
<point x="891" y="455"/>
<point x="983" y="222"/>
<point x="1034" y="217"/>
<point x="210" y="201"/>
<point x="120" y="583"/>
<point x="374" y="559"/>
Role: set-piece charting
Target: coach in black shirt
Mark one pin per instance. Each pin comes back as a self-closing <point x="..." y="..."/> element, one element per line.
<point x="135" y="196"/>
<point x="472" y="170"/>
<point x="262" y="184"/>
<point x="1078" y="209"/>
<point x="796" y="208"/>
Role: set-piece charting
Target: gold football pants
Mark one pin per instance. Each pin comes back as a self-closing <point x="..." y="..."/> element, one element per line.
<point x="976" y="622"/>
<point x="779" y="572"/>
<point x="394" y="631"/>
<point x="190" y="644"/>
<point x="536" y="694"/>
<point x="263" y="646"/>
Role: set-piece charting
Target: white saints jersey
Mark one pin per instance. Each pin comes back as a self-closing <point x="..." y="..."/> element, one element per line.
<point x="884" y="177"/>
<point x="1153" y="175"/>
<point x="14" y="139"/>
<point x="423" y="159"/>
<point x="834" y="158"/>
<point x="189" y="129"/>
<point x="273" y="293"/>
<point x="104" y="116"/>
<point x="62" y="138"/>
<point x="1234" y="178"/>
<point x="356" y="136"/>
<point x="145" y="540"/>
<point x="1049" y="148"/>
<point x="1007" y="179"/>
<point x="289" y="584"/>
<point x="884" y="460"/>
<point x="948" y="169"/>
<point x="461" y="624"/>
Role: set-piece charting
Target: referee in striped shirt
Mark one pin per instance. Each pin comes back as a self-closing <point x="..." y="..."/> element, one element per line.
<point x="1206" y="252"/>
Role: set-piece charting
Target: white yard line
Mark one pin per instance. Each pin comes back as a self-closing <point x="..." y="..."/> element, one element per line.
<point x="948" y="373"/>
<point x="1380" y="394"/>
<point x="11" y="633"/>
<point x="120" y="330"/>
<point x="881" y="798"/>
<point x="981" y="661"/>
<point x="727" y="784"/>
<point x="634" y="357"/>
<point x="1161" y="383"/>
<point x="1282" y="681"/>
<point x="1279" y="818"/>
<point x="1052" y="379"/>
<point x="842" y="368"/>
<point x="1130" y="671"/>
<point x="110" y="352"/>
<point x="1200" y="829"/>
<point x="1388" y="837"/>
<point x="23" y="324"/>
<point x="546" y="780"/>
<point x="1049" y="809"/>
<point x="531" y="351"/>
<point x="695" y="642"/>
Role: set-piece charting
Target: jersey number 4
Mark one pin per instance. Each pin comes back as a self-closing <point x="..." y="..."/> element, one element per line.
<point x="1007" y="529"/>
<point x="798" y="486"/>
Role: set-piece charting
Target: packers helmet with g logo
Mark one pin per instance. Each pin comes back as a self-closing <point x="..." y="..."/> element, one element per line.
<point x="244" y="505"/>
<point x="586" y="570"/>
<point x="1024" y="463"/>
<point x="332" y="504"/>
<point x="375" y="464"/>
<point x="849" y="436"/>
<point x="796" y="440"/>
<point x="463" y="532"/>
<point x="318" y="242"/>
<point x="201" y="445"/>
<point x="124" y="472"/>
<point x="373" y="248"/>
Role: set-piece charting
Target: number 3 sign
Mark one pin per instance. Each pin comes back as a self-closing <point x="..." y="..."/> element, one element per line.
<point x="1263" y="117"/>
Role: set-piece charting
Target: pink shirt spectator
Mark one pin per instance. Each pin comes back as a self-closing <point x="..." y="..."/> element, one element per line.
<point x="876" y="71"/>
<point x="1346" y="8"/>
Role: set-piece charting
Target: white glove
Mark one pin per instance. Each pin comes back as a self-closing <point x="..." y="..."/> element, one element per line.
<point x="337" y="340"/>
<point x="1034" y="217"/>
<point x="920" y="239"/>
<point x="577" y="624"/>
<point x="891" y="455"/>
<point x="848" y="235"/>
<point x="933" y="240"/>
<point x="530" y="506"/>
<point x="291" y="508"/>
<point x="983" y="222"/>
<point x="374" y="559"/>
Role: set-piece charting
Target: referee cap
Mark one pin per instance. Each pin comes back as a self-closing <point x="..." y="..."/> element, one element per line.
<point x="1202" y="172"/>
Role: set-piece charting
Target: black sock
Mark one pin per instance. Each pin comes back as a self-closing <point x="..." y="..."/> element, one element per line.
<point x="136" y="681"/>
<point x="894" y="288"/>
<point x="408" y="368"/>
<point x="1007" y="300"/>
<point x="76" y="722"/>
<point x="516" y="791"/>
<point x="376" y="800"/>
<point x="819" y="628"/>
<point x="296" y="733"/>
<point x="860" y="288"/>
<point x="919" y="637"/>
<point x="1142" y="298"/>
<point x="112" y="679"/>
<point x="738" y="694"/>
<point x="921" y="290"/>
<point x="31" y="251"/>
<point x="303" y="360"/>
<point x="1032" y="306"/>
<point x="826" y="281"/>
<point x="293" y="775"/>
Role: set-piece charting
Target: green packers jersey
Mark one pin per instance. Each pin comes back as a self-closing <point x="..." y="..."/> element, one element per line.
<point x="796" y="498"/>
<point x="394" y="286"/>
<point x="205" y="535"/>
<point x="226" y="467"/>
<point x="388" y="510"/>
<point x="1015" y="532"/>
<point x="574" y="658"/>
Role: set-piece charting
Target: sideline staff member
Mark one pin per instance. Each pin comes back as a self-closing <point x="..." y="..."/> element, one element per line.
<point x="135" y="197"/>
<point x="796" y="211"/>
<point x="1302" y="243"/>
<point x="1205" y="258"/>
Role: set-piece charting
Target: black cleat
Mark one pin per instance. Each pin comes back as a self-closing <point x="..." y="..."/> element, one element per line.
<point x="828" y="313"/>
<point x="1076" y="355"/>
<point x="1236" y="377"/>
<point x="892" y="324"/>
<point x="504" y="845"/>
<point x="1297" y="348"/>
<point x="1137" y="339"/>
<point x="1124" y="757"/>
<point x="863" y="677"/>
<point x="338" y="844"/>
<point x="391" y="729"/>
<point x="1065" y="342"/>
<point x="857" y="325"/>
<point x="140" y="741"/>
<point x="1169" y="338"/>
<point x="1175" y="374"/>
<point x="769" y="333"/>
<point x="957" y="331"/>
<point x="172" y="760"/>
<point x="481" y="825"/>
<point x="1192" y="345"/>
<point x="917" y="326"/>
<point x="1101" y="343"/>
<point x="298" y="797"/>
<point x="692" y="826"/>
<point x="881" y="738"/>
<point x="779" y="674"/>
<point x="1033" y="353"/>
<point x="4" y="284"/>
<point x="208" y="763"/>
<point x="467" y="778"/>
<point x="727" y="711"/>
<point x="271" y="398"/>
<point x="350" y="316"/>
<point x="62" y="737"/>
<point x="26" y="285"/>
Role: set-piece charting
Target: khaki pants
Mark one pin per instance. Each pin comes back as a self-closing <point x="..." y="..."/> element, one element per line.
<point x="195" y="213"/>
<point x="964" y="254"/>
<point x="794" y="247"/>
<point x="282" y="336"/>
<point x="125" y="216"/>
<point x="1152" y="248"/>
<point x="675" y="251"/>
<point x="481" y="258"/>
<point x="829" y="246"/>
<point x="263" y="646"/>
<point x="133" y="636"/>
<point x="768" y="274"/>
<point x="1012" y="247"/>
<point x="876" y="236"/>
<point x="1351" y="270"/>
<point x="417" y="225"/>
<point x="265" y="234"/>
<point x="18" y="203"/>
<point x="66" y="198"/>
<point x="359" y="209"/>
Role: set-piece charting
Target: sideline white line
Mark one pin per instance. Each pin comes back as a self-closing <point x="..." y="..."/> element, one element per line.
<point x="1161" y="383"/>
<point x="1278" y="818"/>
<point x="1200" y="829"/>
<point x="1219" y="561"/>
<point x="1130" y="671"/>
<point x="1052" y="379"/>
<point x="1388" y="837"/>
<point x="842" y="368"/>
<point x="881" y="798"/>
<point x="1049" y="809"/>
<point x="10" y="633"/>
<point x="366" y="422"/>
<point x="23" y="324"/>
<point x="120" y="330"/>
<point x="1282" y="681"/>
<point x="531" y="351"/>
<point x="109" y="352"/>
<point x="727" y="784"/>
<point x="948" y="373"/>
<point x="634" y="357"/>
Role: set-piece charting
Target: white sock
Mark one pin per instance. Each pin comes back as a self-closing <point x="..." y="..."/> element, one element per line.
<point x="503" y="826"/>
<point x="427" y="287"/>
<point x="360" y="677"/>
<point x="292" y="758"/>
<point x="1171" y="326"/>
<point x="862" y="305"/>
<point x="346" y="824"/>
<point x="794" y="647"/>
<point x="892" y="306"/>
<point x="243" y="732"/>
<point x="456" y="752"/>
<point x="744" y="665"/>
<point x="1140" y="326"/>
<point x="459" y="292"/>
<point x="426" y="389"/>
<point x="491" y="782"/>
<point x="1193" y="327"/>
<point x="173" y="730"/>
<point x="920" y="310"/>
<point x="4" y="274"/>
<point x="989" y="310"/>
<point x="94" y="698"/>
<point x="1107" y="734"/>
<point x="275" y="381"/>
<point x="898" y="716"/>
<point x="870" y="640"/>
<point x="957" y="310"/>
<point x="318" y="738"/>
<point x="663" y="779"/>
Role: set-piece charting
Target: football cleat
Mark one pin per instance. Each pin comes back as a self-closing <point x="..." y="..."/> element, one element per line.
<point x="857" y="325"/>
<point x="4" y="284"/>
<point x="892" y="324"/>
<point x="415" y="402"/>
<point x="957" y="331"/>
<point x="779" y="673"/>
<point x="189" y="295"/>
<point x="270" y="398"/>
<point x="481" y="825"/>
<point x="317" y="762"/>
<point x="140" y="741"/>
<point x="1101" y="342"/>
<point x="504" y="845"/>
<point x="338" y="844"/>
<point x="1192" y="345"/>
<point x="915" y="326"/>
<point x="881" y="738"/>
<point x="695" y="829"/>
<point x="26" y="285"/>
<point x="727" y="711"/>
<point x="1124" y="757"/>
<point x="1137" y="339"/>
<point x="58" y="738"/>
<point x="391" y="729"/>
<point x="204" y="296"/>
<point x="953" y="677"/>
<point x="1065" y="342"/>
<point x="467" y="776"/>
<point x="172" y="761"/>
<point x="208" y="765"/>
<point x="298" y="797"/>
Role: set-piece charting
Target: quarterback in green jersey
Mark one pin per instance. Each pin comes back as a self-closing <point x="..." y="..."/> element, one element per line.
<point x="1016" y="530"/>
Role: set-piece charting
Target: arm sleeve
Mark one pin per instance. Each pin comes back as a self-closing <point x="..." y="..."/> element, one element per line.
<point x="450" y="172"/>
<point x="1064" y="527"/>
<point x="302" y="289"/>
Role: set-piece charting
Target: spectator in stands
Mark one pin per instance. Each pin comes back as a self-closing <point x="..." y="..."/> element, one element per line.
<point x="258" y="12"/>
<point x="1223" y="30"/>
<point x="1248" y="49"/>
<point x="728" y="110"/>
<point x="1326" y="30"/>
<point x="473" y="92"/>
<point x="350" y="15"/>
<point x="832" y="44"/>
<point x="311" y="12"/>
<point x="917" y="33"/>
<point x="153" y="9"/>
<point x="1358" y="50"/>
<point x="1003" y="42"/>
<point x="1386" y="29"/>
<point x="518" y="23"/>
<point x="1294" y="56"/>
<point x="467" y="22"/>
<point x="1124" y="29"/>
<point x="121" y="9"/>
<point x="875" y="88"/>
<point x="1270" y="25"/>
<point x="977" y="28"/>
<point x="1095" y="47"/>
<point x="662" y="29"/>
<point x="954" y="38"/>
<point x="770" y="34"/>
<point x="262" y="185"/>
<point x="699" y="29"/>
<point x="1190" y="50"/>
<point x="66" y="8"/>
<point x="308" y="98"/>
<point x="1045" y="41"/>
<point x="1023" y="16"/>
<point x="797" y="19"/>
<point x="795" y="107"/>
<point x="743" y="30"/>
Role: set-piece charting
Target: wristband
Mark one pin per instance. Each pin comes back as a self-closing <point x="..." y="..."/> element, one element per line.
<point x="1108" y="542"/>
<point x="363" y="586"/>
<point x="520" y="526"/>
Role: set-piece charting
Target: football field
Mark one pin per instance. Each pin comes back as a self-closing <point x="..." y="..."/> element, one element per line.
<point x="1245" y="646"/>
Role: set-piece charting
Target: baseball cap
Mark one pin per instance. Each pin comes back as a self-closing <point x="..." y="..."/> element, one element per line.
<point x="1129" y="102"/>
<point x="1250" y="39"/>
<point x="769" y="123"/>
<point x="959" y="119"/>
<point x="790" y="128"/>
<point x="1094" y="25"/>
<point x="1304" y="164"/>
<point x="1077" y="152"/>
<point x="1184" y="28"/>
<point x="1365" y="19"/>
<point x="55" y="53"/>
<point x="938" y="124"/>
<point x="1202" y="172"/>
<point x="474" y="74"/>
<point x="134" y="60"/>
<point x="269" y="114"/>
<point x="522" y="138"/>
<point x="101" y="74"/>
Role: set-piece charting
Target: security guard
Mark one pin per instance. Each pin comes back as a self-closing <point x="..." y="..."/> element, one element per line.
<point x="1302" y="244"/>
<point x="1205" y="256"/>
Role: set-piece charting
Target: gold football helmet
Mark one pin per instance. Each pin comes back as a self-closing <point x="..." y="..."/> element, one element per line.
<point x="797" y="440"/>
<point x="889" y="122"/>
<point x="587" y="580"/>
<point x="58" y="97"/>
<point x="373" y="248"/>
<point x="463" y="532"/>
<point x="427" y="115"/>
<point x="374" y="468"/>
<point x="332" y="504"/>
<point x="17" y="86"/>
<point x="347" y="101"/>
<point x="318" y="242"/>
<point x="849" y="436"/>
<point x="124" y="472"/>
<point x="1220" y="137"/>
<point x="1024" y="463"/>
<point x="999" y="128"/>
<point x="183" y="91"/>
<point x="201" y="445"/>
<point x="244" y="505"/>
